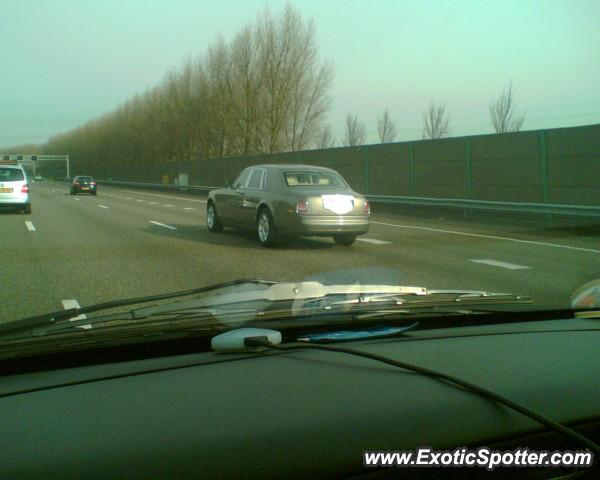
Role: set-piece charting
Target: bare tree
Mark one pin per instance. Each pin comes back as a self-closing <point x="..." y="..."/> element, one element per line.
<point x="354" y="133"/>
<point x="325" y="138"/>
<point x="295" y="85"/>
<point x="264" y="91"/>
<point x="386" y="128"/>
<point x="246" y="92"/>
<point x="503" y="114"/>
<point x="435" y="121"/>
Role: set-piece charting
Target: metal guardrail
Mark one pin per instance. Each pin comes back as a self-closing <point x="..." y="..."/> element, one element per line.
<point x="459" y="203"/>
<point x="159" y="186"/>
<point x="515" y="207"/>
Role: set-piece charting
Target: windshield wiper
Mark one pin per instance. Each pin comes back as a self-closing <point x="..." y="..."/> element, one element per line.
<point x="311" y="303"/>
<point x="53" y="318"/>
<point x="272" y="292"/>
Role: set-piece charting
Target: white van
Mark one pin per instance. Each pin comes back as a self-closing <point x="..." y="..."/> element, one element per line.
<point x="14" y="188"/>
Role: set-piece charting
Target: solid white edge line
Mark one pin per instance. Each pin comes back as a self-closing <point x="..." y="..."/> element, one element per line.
<point x="170" y="227"/>
<point x="30" y="226"/>
<point x="493" y="237"/>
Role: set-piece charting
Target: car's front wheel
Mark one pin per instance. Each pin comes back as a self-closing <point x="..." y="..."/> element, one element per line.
<point x="345" y="240"/>
<point x="212" y="219"/>
<point x="266" y="229"/>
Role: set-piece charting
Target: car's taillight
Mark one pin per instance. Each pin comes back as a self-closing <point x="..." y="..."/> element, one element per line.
<point x="367" y="207"/>
<point x="25" y="189"/>
<point x="302" y="206"/>
<point x="92" y="183"/>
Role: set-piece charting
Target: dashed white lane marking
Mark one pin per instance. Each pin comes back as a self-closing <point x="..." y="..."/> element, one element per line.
<point x="102" y="206"/>
<point x="495" y="263"/>
<point x="189" y="208"/>
<point x="140" y="200"/>
<point x="128" y="198"/>
<point x="67" y="304"/>
<point x="374" y="241"/>
<point x="165" y="196"/>
<point x="493" y="237"/>
<point x="170" y="227"/>
<point x="152" y="203"/>
<point x="30" y="226"/>
<point x="168" y="205"/>
<point x="76" y="199"/>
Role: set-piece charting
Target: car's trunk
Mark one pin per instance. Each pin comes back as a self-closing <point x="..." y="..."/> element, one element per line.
<point x="330" y="200"/>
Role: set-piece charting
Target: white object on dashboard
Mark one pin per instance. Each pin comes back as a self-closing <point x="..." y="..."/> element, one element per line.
<point x="233" y="340"/>
<point x="339" y="204"/>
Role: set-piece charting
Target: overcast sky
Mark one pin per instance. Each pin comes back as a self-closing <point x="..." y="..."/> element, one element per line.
<point x="64" y="62"/>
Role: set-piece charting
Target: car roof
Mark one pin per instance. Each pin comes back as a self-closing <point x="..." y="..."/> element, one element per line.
<point x="293" y="166"/>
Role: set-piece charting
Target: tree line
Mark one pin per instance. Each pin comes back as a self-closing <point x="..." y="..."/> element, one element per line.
<point x="265" y="91"/>
<point x="436" y="122"/>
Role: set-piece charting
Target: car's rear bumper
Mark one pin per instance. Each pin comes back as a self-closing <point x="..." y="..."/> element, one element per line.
<point x="14" y="201"/>
<point x="331" y="224"/>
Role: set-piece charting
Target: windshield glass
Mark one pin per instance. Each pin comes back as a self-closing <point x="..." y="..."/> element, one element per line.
<point x="389" y="143"/>
<point x="10" y="174"/>
<point x="307" y="179"/>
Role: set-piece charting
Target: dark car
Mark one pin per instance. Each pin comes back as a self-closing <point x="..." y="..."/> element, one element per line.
<point x="281" y="201"/>
<point x="84" y="184"/>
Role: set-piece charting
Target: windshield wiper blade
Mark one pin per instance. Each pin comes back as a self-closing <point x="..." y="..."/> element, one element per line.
<point x="299" y="293"/>
<point x="53" y="318"/>
<point x="300" y="299"/>
<point x="452" y="299"/>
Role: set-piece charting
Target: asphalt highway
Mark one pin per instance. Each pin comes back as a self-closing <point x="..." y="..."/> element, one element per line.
<point x="80" y="250"/>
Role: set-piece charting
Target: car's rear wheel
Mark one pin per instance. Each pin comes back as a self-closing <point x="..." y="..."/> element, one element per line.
<point x="266" y="228"/>
<point x="27" y="209"/>
<point x="345" y="240"/>
<point x="212" y="219"/>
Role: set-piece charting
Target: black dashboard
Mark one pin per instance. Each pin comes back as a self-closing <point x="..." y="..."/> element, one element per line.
<point x="299" y="414"/>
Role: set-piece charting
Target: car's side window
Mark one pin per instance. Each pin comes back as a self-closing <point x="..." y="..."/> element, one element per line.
<point x="256" y="179"/>
<point x="263" y="182"/>
<point x="242" y="179"/>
